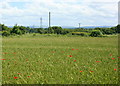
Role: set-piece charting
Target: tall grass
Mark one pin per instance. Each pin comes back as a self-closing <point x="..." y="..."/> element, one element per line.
<point x="59" y="60"/>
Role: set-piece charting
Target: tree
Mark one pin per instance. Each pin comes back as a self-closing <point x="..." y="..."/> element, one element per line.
<point x="3" y="27"/>
<point x="118" y="28"/>
<point x="50" y="30"/>
<point x="40" y="30"/>
<point x="107" y="30"/>
<point x="96" y="33"/>
<point x="5" y="33"/>
<point x="16" y="30"/>
<point x="65" y="31"/>
<point x="23" y="29"/>
<point x="57" y="30"/>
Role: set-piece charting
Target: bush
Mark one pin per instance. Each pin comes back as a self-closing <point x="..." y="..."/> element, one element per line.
<point x="96" y="33"/>
<point x="80" y="33"/>
<point x="65" y="31"/>
<point x="57" y="30"/>
<point x="40" y="30"/>
<point x="118" y="28"/>
<point x="108" y="31"/>
<point x="50" y="30"/>
<point x="34" y="34"/>
<point x="5" y="33"/>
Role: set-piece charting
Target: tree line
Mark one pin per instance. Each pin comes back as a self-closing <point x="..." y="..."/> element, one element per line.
<point x="96" y="32"/>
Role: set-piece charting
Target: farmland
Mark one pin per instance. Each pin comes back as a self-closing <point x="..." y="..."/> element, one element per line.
<point x="59" y="60"/>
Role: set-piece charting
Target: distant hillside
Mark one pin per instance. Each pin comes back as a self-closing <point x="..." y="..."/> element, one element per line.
<point x="87" y="27"/>
<point x="70" y="27"/>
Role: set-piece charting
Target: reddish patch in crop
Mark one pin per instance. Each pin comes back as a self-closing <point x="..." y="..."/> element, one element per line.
<point x="98" y="61"/>
<point x="4" y="53"/>
<point x="81" y="71"/>
<point x="115" y="69"/>
<point x="113" y="58"/>
<point x="76" y="49"/>
<point x="70" y="56"/>
<point x="2" y="59"/>
<point x="118" y="57"/>
<point x="28" y="76"/>
<point x="26" y="59"/>
<point x="15" y="77"/>
<point x="74" y="60"/>
<point x="91" y="71"/>
<point x="73" y="49"/>
<point x="110" y="54"/>
<point x="14" y="53"/>
<point x="53" y="51"/>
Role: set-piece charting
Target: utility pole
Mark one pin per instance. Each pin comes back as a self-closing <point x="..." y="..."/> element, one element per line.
<point x="41" y="22"/>
<point x="79" y="25"/>
<point x="49" y="19"/>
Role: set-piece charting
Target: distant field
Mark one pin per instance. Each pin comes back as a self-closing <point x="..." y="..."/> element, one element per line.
<point x="59" y="60"/>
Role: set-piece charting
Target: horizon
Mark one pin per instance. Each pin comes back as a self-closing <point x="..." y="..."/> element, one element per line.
<point x="66" y="26"/>
<point x="63" y="13"/>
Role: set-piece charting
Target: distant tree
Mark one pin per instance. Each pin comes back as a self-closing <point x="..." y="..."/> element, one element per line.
<point x="114" y="30"/>
<point x="50" y="30"/>
<point x="65" y="31"/>
<point x="16" y="30"/>
<point x="40" y="30"/>
<point x="118" y="28"/>
<point x="57" y="30"/>
<point x="28" y="29"/>
<point x="23" y="29"/>
<point x="96" y="33"/>
<point x="5" y="33"/>
<point x="3" y="27"/>
<point x="107" y="30"/>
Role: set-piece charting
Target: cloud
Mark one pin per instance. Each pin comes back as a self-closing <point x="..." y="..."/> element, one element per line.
<point x="71" y="11"/>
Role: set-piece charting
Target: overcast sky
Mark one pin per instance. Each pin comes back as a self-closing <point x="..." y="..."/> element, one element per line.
<point x="63" y="12"/>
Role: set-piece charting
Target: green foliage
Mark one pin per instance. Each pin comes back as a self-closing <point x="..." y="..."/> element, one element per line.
<point x="114" y="30"/>
<point x="16" y="30"/>
<point x="41" y="30"/>
<point x="50" y="30"/>
<point x="107" y="31"/>
<point x="118" y="28"/>
<point x="65" y="31"/>
<point x="46" y="60"/>
<point x="5" y="33"/>
<point x="34" y="34"/>
<point x="23" y="29"/>
<point x="3" y="27"/>
<point x="96" y="33"/>
<point x="80" y="30"/>
<point x="57" y="30"/>
<point x="20" y="30"/>
<point x="80" y="33"/>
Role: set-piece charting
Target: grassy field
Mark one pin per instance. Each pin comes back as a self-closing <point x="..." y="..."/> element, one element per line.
<point x="59" y="60"/>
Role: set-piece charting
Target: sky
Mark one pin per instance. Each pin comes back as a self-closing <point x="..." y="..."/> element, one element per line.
<point x="63" y="12"/>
